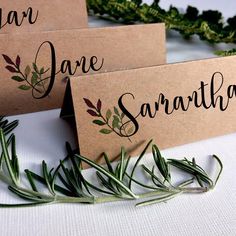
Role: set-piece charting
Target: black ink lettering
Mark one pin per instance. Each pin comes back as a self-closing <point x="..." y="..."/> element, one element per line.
<point x="128" y="114"/>
<point x="214" y="91"/>
<point x="13" y="17"/>
<point x="198" y="98"/>
<point x="66" y="67"/>
<point x="53" y="68"/>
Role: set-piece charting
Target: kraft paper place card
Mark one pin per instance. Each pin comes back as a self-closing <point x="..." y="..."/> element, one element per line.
<point x="35" y="66"/>
<point x="42" y="15"/>
<point x="172" y="104"/>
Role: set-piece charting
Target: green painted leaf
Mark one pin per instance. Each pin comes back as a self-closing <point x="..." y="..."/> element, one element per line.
<point x="130" y="130"/>
<point x="35" y="75"/>
<point x="17" y="78"/>
<point x="122" y="116"/>
<point x="34" y="80"/>
<point x="115" y="117"/>
<point x="27" y="71"/>
<point x="42" y="70"/>
<point x="24" y="87"/>
<point x="115" y="122"/>
<point x="105" y="131"/>
<point x="99" y="122"/>
<point x="35" y="67"/>
<point x="108" y="114"/>
<point x="116" y="111"/>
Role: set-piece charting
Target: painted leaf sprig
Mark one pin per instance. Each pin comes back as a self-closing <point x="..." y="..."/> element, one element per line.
<point x="66" y="183"/>
<point x="31" y="76"/>
<point x="112" y="121"/>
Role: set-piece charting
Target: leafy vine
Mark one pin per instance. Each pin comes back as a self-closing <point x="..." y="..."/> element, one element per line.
<point x="208" y="25"/>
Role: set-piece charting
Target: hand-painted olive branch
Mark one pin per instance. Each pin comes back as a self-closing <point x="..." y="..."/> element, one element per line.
<point x="113" y="120"/>
<point x="32" y="77"/>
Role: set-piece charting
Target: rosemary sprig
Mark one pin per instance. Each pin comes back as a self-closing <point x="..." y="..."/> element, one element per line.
<point x="67" y="183"/>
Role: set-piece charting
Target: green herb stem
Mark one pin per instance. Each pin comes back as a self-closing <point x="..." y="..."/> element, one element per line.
<point x="116" y="182"/>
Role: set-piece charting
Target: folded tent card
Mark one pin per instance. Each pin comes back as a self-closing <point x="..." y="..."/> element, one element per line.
<point x="174" y="104"/>
<point x="35" y="66"/>
<point x="41" y="15"/>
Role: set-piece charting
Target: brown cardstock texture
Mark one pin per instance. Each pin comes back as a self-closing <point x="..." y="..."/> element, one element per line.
<point x="116" y="48"/>
<point x="44" y="16"/>
<point x="146" y="84"/>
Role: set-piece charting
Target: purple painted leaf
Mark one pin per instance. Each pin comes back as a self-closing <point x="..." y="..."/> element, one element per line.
<point x="11" y="69"/>
<point x="99" y="105"/>
<point x="8" y="59"/>
<point x="92" y="113"/>
<point x="89" y="103"/>
<point x="18" y="61"/>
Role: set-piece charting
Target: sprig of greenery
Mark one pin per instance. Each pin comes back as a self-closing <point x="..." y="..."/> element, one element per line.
<point x="208" y="25"/>
<point x="67" y="183"/>
<point x="32" y="78"/>
<point x="7" y="127"/>
<point x="109" y="122"/>
<point x="231" y="52"/>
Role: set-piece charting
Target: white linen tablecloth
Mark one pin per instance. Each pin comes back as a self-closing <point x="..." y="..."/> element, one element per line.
<point x="41" y="136"/>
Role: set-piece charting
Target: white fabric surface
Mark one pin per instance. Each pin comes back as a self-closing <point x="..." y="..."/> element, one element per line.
<point x="41" y="136"/>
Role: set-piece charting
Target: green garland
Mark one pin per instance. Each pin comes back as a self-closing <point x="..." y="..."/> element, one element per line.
<point x="208" y="25"/>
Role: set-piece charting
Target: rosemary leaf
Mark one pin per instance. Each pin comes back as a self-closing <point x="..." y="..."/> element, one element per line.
<point x="109" y="175"/>
<point x="221" y="168"/>
<point x="24" y="195"/>
<point x="185" y="183"/>
<point x="7" y="158"/>
<point x="10" y="127"/>
<point x="154" y="177"/>
<point x="138" y="160"/>
<point x="31" y="181"/>
<point x="141" y="184"/>
<point x="109" y="166"/>
<point x="98" y="189"/>
<point x="191" y="169"/>
<point x="159" y="199"/>
<point x="71" y="182"/>
<point x="9" y="140"/>
<point x="161" y="164"/>
<point x="23" y="205"/>
<point x="47" y="177"/>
